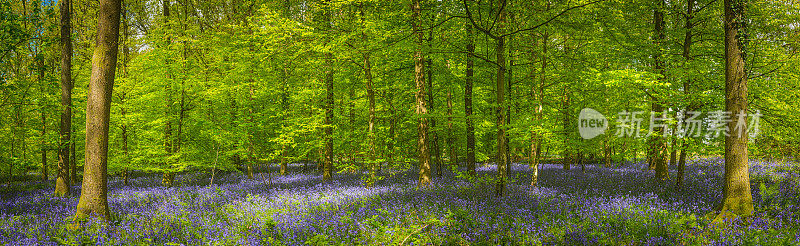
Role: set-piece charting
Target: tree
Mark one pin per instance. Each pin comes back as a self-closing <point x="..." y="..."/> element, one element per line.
<point x="737" y="198"/>
<point x="94" y="198"/>
<point x="169" y="145"/>
<point x="500" y="87"/>
<point x="65" y="127"/>
<point x="538" y="92"/>
<point x="421" y="109"/>
<point x="500" y="111"/>
<point x="468" y="83"/>
<point x="687" y="49"/>
<point x="658" y="146"/>
<point x="329" y="116"/>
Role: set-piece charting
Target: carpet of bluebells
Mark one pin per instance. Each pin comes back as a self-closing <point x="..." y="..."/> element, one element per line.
<point x="622" y="205"/>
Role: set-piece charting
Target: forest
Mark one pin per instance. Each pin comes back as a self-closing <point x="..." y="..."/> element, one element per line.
<point x="400" y="122"/>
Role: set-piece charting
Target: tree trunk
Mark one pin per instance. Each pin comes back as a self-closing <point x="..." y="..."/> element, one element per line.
<point x="328" y="166"/>
<point x="421" y="110"/>
<point x="536" y="139"/>
<point x="371" y="98"/>
<point x="673" y="147"/>
<point x="681" y="167"/>
<point x="168" y="144"/>
<point x="687" y="45"/>
<point x="434" y="133"/>
<point x="500" y="89"/>
<point x="451" y="147"/>
<point x="392" y="127"/>
<point x="93" y="198"/>
<point x="737" y="198"/>
<point x="44" y="147"/>
<point x="251" y="159"/>
<point x="285" y="107"/>
<point x="352" y="145"/>
<point x="73" y="166"/>
<point x="658" y="145"/>
<point x="65" y="126"/>
<point x="125" y="59"/>
<point x="565" y="122"/>
<point x="43" y="143"/>
<point x="468" y="101"/>
<point x="509" y="90"/>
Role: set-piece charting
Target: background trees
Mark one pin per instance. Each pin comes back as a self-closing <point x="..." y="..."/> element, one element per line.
<point x="350" y="86"/>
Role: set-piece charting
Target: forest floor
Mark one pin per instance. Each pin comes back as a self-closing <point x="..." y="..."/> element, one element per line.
<point x="597" y="206"/>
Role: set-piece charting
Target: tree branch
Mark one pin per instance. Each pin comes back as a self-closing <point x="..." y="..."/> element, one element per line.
<point x="549" y="20"/>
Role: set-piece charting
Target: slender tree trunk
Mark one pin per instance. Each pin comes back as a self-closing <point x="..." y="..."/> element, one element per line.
<point x="73" y="166"/>
<point x="565" y="108"/>
<point x="371" y="99"/>
<point x="93" y="198"/>
<point x="327" y="170"/>
<point x="371" y="122"/>
<point x="285" y="107"/>
<point x="45" y="177"/>
<point x="681" y="167"/>
<point x="65" y="126"/>
<point x="509" y="90"/>
<point x="737" y="198"/>
<point x="352" y="145"/>
<point x="421" y="109"/>
<point x="43" y="143"/>
<point x="168" y="144"/>
<point x="123" y="111"/>
<point x="10" y="176"/>
<point x="434" y="135"/>
<point x="451" y="152"/>
<point x="687" y="45"/>
<point x="468" y="100"/>
<point x="500" y="89"/>
<point x="673" y="147"/>
<point x="658" y="145"/>
<point x="392" y="127"/>
<point x="433" y="131"/>
<point x="538" y="92"/>
<point x="251" y="145"/>
<point x="287" y="7"/>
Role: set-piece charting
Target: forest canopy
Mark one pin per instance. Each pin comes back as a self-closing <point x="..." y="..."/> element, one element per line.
<point x="101" y="96"/>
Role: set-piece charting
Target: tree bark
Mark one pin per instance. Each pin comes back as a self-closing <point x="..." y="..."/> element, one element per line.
<point x="43" y="143"/>
<point x="565" y="122"/>
<point x="93" y="198"/>
<point x="468" y="100"/>
<point x="434" y="135"/>
<point x="687" y="45"/>
<point x="673" y="148"/>
<point x="65" y="126"/>
<point x="421" y="109"/>
<point x="500" y="89"/>
<point x="168" y="144"/>
<point x="73" y="166"/>
<point x="328" y="166"/>
<point x="251" y="158"/>
<point x="285" y="107"/>
<point x="451" y="147"/>
<point x="737" y="198"/>
<point x="371" y="99"/>
<point x="538" y="92"/>
<point x="123" y="112"/>
<point x="658" y="145"/>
